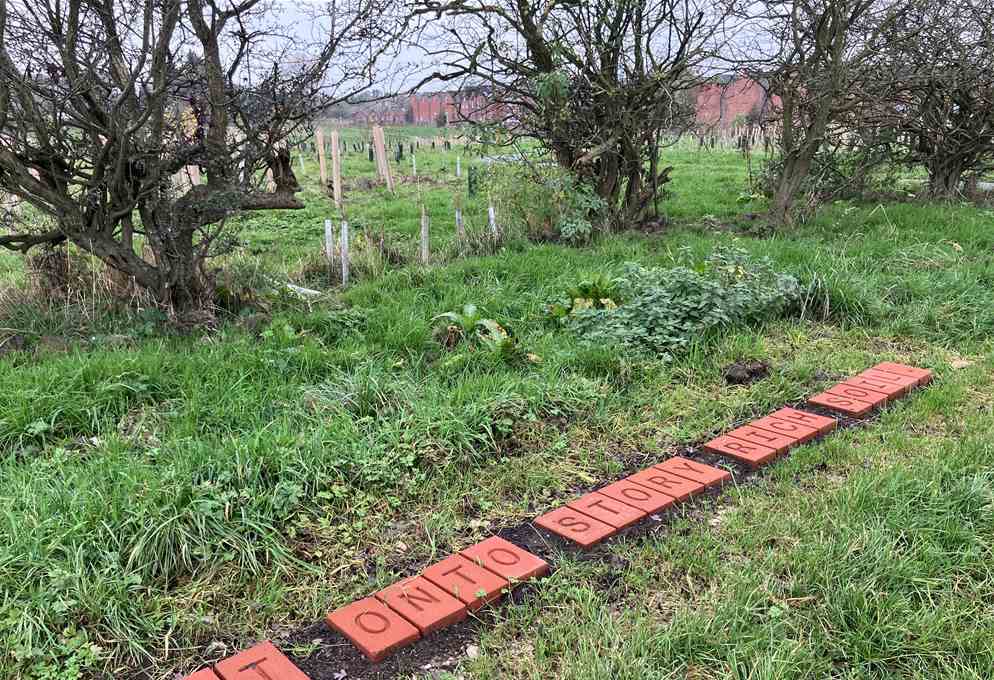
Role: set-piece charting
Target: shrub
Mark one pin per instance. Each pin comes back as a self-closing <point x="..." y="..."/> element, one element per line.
<point x="550" y="203"/>
<point x="664" y="309"/>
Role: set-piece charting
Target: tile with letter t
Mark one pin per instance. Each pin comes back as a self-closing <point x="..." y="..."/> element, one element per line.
<point x="262" y="662"/>
<point x="506" y="560"/>
<point x="608" y="510"/>
<point x="371" y="626"/>
<point x="576" y="526"/>
<point x="638" y="496"/>
<point x="471" y="583"/>
<point x="423" y="603"/>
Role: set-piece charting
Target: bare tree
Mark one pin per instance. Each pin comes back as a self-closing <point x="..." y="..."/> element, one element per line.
<point x="102" y="102"/>
<point x="598" y="83"/>
<point x="942" y="117"/>
<point x="821" y="61"/>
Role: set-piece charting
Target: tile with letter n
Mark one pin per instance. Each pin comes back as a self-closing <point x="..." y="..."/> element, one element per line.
<point x="262" y="662"/>
<point x="467" y="581"/>
<point x="374" y="628"/>
<point x="506" y="560"/>
<point x="423" y="603"/>
<point x="576" y="526"/>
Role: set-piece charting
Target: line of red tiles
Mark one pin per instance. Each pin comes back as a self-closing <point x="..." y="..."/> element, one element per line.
<point x="444" y="593"/>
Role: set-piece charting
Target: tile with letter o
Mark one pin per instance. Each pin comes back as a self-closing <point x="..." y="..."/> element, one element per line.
<point x="374" y="628"/>
<point x="506" y="560"/>
<point x="423" y="603"/>
<point x="576" y="526"/>
<point x="667" y="483"/>
<point x="745" y="452"/>
<point x="875" y="399"/>
<point x="873" y="382"/>
<point x="617" y="514"/>
<point x="638" y="496"/>
<point x="469" y="582"/>
<point x="846" y="405"/>
<point x="823" y="424"/>
<point x="262" y="662"/>
<point x="696" y="472"/>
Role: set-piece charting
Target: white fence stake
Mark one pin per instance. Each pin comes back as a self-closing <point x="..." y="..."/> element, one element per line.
<point x="329" y="243"/>
<point x="458" y="167"/>
<point x="425" y="225"/>
<point x="492" y="217"/>
<point x="345" y="254"/>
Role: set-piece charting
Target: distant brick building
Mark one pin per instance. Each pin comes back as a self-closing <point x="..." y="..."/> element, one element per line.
<point x="730" y="101"/>
<point x="431" y="108"/>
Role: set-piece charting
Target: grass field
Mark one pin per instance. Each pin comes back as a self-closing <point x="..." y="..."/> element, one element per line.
<point x="166" y="500"/>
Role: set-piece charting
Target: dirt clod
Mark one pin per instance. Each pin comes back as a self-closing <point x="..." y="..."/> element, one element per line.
<point x="746" y="372"/>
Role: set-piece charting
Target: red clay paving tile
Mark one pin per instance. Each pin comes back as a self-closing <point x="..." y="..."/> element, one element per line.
<point x="371" y="626"/>
<point x="853" y="392"/>
<point x="423" y="603"/>
<point x="694" y="471"/>
<point x="645" y="499"/>
<point x="506" y="559"/>
<point x="202" y="674"/>
<point x="787" y="428"/>
<point x="905" y="382"/>
<point x="770" y="440"/>
<point x="472" y="584"/>
<point x="753" y="454"/>
<point x="823" y="424"/>
<point x="923" y="376"/>
<point x="668" y="483"/>
<point x="262" y="662"/>
<point x="872" y="382"/>
<point x="576" y="526"/>
<point x="608" y="510"/>
<point x="851" y="407"/>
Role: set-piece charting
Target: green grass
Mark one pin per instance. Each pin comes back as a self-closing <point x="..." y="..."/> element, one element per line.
<point x="159" y="492"/>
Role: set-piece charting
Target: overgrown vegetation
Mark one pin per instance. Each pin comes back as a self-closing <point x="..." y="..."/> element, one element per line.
<point x="160" y="491"/>
<point x="666" y="310"/>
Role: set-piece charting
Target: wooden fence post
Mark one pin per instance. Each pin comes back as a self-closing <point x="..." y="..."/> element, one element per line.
<point x="322" y="164"/>
<point x="336" y="168"/>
